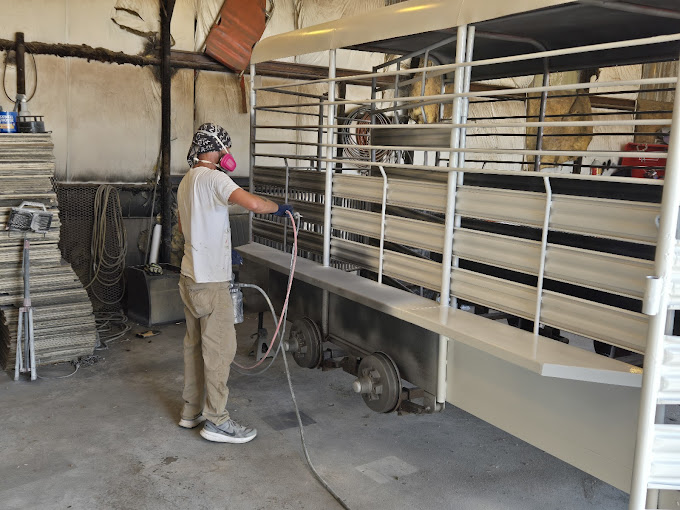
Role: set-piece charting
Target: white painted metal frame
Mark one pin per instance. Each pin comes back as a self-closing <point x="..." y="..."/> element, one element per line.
<point x="548" y="211"/>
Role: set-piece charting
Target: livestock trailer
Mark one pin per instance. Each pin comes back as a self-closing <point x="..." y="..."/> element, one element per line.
<point x="483" y="220"/>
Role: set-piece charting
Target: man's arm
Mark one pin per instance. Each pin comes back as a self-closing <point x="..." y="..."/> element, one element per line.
<point x="253" y="202"/>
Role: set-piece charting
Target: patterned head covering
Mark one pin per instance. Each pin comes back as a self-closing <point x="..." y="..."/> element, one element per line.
<point x="204" y="142"/>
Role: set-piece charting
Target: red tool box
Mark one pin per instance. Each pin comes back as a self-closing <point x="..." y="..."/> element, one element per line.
<point x="645" y="165"/>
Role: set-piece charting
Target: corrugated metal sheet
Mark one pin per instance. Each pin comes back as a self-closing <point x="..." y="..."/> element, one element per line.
<point x="239" y="26"/>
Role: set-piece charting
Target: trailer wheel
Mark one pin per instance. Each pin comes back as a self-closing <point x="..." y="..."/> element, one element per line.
<point x="379" y="382"/>
<point x="304" y="342"/>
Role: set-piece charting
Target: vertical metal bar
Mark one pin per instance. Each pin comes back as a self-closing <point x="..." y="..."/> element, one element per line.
<point x="19" y="361"/>
<point x="285" y="201"/>
<point x="469" y="48"/>
<point x="251" y="183"/>
<point x="442" y="90"/>
<point x="27" y="300"/>
<point x="31" y="343"/>
<point x="342" y="94"/>
<point x="382" y="225"/>
<point x="445" y="296"/>
<point x="21" y="65"/>
<point x="663" y="269"/>
<point x="544" y="247"/>
<point x="397" y="112"/>
<point x="328" y="194"/>
<point x="166" y="8"/>
<point x="319" y="139"/>
<point x="541" y="115"/>
<point x="422" y="86"/>
<point x="328" y="197"/>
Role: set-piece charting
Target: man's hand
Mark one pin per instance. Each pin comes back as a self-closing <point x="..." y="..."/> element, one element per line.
<point x="283" y="208"/>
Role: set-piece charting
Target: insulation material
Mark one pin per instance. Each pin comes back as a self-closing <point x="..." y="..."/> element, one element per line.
<point x="428" y="114"/>
<point x="492" y="136"/>
<point x="218" y="100"/>
<point x="555" y="108"/>
<point x="49" y="99"/>
<point x="140" y="17"/>
<point x="647" y="105"/>
<point x="654" y="70"/>
<point x="105" y="117"/>
<point x="124" y="147"/>
<point x="624" y="134"/>
<point x="63" y="320"/>
<point x="206" y="14"/>
<point x="618" y="73"/>
<point x="650" y="99"/>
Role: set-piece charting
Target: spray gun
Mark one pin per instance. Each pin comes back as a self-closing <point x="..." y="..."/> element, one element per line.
<point x="235" y="287"/>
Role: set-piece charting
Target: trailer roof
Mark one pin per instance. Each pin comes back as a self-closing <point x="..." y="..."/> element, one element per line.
<point x="553" y="24"/>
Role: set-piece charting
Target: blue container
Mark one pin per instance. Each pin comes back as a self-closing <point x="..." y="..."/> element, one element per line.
<point x="8" y="122"/>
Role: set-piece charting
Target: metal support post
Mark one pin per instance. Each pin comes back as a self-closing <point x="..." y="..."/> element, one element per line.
<point x="663" y="269"/>
<point x="381" y="261"/>
<point x="541" y="263"/>
<point x="447" y="252"/>
<point x="21" y="66"/>
<point x="251" y="184"/>
<point x="166" y="8"/>
<point x="460" y="176"/>
<point x="328" y="196"/>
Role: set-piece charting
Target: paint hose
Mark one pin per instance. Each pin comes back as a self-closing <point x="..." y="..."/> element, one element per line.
<point x="281" y="326"/>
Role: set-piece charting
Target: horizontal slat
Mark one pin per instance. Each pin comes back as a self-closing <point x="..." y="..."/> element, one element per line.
<point x="397" y="265"/>
<point x="496" y="293"/>
<point x="596" y="270"/>
<point x="307" y="240"/>
<point x="665" y="472"/>
<point x="669" y="390"/>
<point x="614" y="326"/>
<point x="428" y="196"/>
<point x="523" y="207"/>
<point x="617" y="219"/>
<point x="307" y="180"/>
<point x="497" y="250"/>
<point x="416" y="233"/>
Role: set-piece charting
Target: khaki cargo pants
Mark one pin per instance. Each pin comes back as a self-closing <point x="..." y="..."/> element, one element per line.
<point x="209" y="348"/>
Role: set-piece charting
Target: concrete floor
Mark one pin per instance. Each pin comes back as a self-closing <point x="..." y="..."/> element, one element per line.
<point x="107" y="438"/>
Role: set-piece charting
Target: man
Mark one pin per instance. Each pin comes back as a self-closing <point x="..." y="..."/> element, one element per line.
<point x="210" y="341"/>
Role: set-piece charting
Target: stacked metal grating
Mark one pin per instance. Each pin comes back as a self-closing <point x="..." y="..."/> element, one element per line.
<point x="63" y="320"/>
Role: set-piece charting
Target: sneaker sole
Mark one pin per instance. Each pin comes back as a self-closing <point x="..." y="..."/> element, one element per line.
<point x="221" y="438"/>
<point x="191" y="424"/>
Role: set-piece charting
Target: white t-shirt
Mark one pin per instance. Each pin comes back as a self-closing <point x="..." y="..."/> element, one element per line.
<point x="202" y="202"/>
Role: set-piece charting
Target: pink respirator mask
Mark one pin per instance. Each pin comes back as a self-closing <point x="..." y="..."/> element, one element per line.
<point x="227" y="162"/>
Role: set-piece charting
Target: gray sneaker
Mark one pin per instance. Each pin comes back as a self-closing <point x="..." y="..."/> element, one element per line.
<point x="190" y="423"/>
<point x="227" y="432"/>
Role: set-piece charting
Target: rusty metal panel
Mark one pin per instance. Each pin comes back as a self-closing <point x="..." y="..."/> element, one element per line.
<point x="239" y="26"/>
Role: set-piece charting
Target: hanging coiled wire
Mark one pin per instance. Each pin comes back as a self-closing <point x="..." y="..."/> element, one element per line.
<point x="357" y="136"/>
<point x="109" y="245"/>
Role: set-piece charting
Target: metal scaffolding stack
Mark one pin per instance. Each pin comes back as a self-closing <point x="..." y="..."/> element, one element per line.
<point x="64" y="324"/>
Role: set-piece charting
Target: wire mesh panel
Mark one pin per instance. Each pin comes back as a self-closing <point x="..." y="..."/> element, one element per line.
<point x="83" y="214"/>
